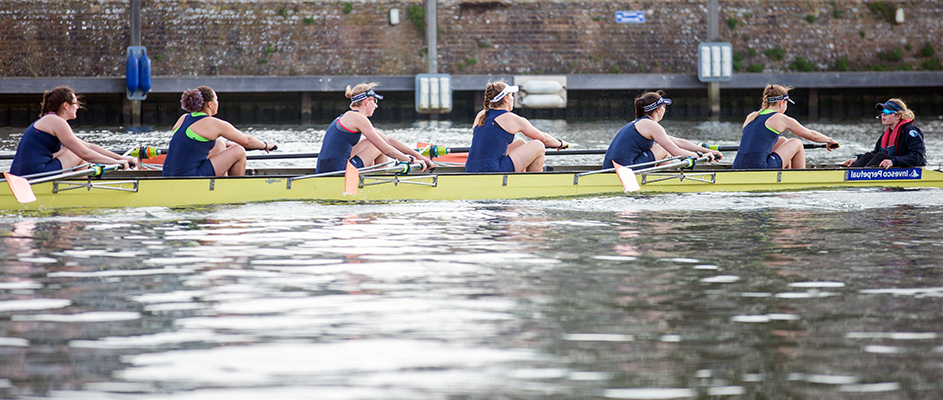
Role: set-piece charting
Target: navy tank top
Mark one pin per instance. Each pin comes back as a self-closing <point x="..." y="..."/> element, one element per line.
<point x="336" y="147"/>
<point x="756" y="144"/>
<point x="188" y="151"/>
<point x="489" y="147"/>
<point x="34" y="153"/>
<point x="629" y="147"/>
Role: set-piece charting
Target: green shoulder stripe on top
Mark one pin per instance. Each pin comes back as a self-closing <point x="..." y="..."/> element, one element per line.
<point x="193" y="135"/>
<point x="764" y="112"/>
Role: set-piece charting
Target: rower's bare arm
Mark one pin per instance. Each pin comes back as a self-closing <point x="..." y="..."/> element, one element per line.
<point x="524" y="126"/>
<point x="799" y="130"/>
<point x="661" y="137"/>
<point x="690" y="146"/>
<point x="379" y="140"/>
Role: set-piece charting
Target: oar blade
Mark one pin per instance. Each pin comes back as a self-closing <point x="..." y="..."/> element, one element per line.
<point x="351" y="180"/>
<point x="22" y="191"/>
<point x="627" y="177"/>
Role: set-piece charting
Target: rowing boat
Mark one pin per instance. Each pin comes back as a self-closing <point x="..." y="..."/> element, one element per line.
<point x="146" y="188"/>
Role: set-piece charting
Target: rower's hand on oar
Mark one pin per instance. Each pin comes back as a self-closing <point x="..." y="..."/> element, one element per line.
<point x="127" y="162"/>
<point x="563" y="145"/>
<point x="269" y="147"/>
<point x="711" y="155"/>
<point x="425" y="162"/>
<point x="831" y="144"/>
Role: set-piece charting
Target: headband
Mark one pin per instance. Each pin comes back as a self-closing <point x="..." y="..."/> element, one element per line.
<point x="776" y="99"/>
<point x="889" y="105"/>
<point x="361" y="96"/>
<point x="508" y="89"/>
<point x="656" y="104"/>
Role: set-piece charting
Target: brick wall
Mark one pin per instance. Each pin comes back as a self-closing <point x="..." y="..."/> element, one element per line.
<point x="219" y="37"/>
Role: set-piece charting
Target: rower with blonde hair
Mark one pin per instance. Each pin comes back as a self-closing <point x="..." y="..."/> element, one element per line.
<point x="761" y="143"/>
<point x="342" y="142"/>
<point x="493" y="147"/>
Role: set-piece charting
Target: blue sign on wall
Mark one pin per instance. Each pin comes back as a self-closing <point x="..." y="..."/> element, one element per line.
<point x="630" y="17"/>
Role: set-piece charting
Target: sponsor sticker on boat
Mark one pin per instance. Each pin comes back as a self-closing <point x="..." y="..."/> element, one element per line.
<point x="883" y="174"/>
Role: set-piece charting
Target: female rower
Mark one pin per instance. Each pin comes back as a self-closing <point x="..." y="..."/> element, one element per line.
<point x="645" y="140"/>
<point x="762" y="145"/>
<point x="197" y="147"/>
<point x="342" y="142"/>
<point x="901" y="145"/>
<point x="493" y="147"/>
<point x="41" y="147"/>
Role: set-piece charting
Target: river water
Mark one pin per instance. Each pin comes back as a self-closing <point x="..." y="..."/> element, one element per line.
<point x="798" y="295"/>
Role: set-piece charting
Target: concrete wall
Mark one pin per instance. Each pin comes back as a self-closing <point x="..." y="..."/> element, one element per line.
<point x="81" y="38"/>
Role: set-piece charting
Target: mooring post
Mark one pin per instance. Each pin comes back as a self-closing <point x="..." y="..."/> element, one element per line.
<point x="813" y="104"/>
<point x="135" y="106"/>
<point x="713" y="35"/>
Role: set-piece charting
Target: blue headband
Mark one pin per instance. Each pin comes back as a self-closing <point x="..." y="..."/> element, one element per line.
<point x="656" y="104"/>
<point x="362" y="96"/>
<point x="776" y="99"/>
<point x="890" y="105"/>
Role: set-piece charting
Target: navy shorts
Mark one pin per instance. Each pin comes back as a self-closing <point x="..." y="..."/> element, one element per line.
<point x="758" y="161"/>
<point x="505" y="164"/>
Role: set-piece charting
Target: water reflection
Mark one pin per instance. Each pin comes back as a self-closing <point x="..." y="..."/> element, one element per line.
<point x="809" y="295"/>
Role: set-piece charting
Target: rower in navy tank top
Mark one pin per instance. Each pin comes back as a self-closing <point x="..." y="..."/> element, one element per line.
<point x="629" y="147"/>
<point x="342" y="141"/>
<point x="756" y="145"/>
<point x="49" y="144"/>
<point x="336" y="147"/>
<point x="35" y="153"/>
<point x="489" y="148"/>
<point x="188" y="154"/>
<point x="494" y="148"/>
<point x="197" y="147"/>
<point x="645" y="140"/>
<point x="762" y="145"/>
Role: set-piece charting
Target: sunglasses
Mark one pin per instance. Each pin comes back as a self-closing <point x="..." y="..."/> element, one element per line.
<point x="888" y="112"/>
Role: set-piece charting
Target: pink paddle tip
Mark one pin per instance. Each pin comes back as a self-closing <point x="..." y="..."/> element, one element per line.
<point x="351" y="180"/>
<point x="20" y="187"/>
<point x="627" y="177"/>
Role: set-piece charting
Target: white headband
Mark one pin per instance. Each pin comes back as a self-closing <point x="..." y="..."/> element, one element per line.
<point x="504" y="92"/>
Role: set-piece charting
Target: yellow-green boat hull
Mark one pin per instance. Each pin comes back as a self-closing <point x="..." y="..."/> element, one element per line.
<point x="123" y="189"/>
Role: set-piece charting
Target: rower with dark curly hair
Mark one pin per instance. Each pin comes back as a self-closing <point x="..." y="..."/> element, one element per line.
<point x="197" y="147"/>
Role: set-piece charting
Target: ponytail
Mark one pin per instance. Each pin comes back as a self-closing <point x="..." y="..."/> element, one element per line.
<point x="491" y="91"/>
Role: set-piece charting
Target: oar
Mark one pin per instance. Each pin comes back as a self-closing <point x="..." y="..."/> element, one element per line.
<point x="639" y="165"/>
<point x="352" y="175"/>
<point x="146" y="152"/>
<point x="22" y="188"/>
<point x="438" y="151"/>
<point x="42" y="174"/>
<point x="735" y="148"/>
<point x="627" y="175"/>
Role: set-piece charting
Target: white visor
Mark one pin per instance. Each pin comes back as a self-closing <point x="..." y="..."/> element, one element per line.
<point x="507" y="89"/>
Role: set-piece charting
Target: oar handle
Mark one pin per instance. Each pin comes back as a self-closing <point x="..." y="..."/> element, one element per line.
<point x="687" y="162"/>
<point x="280" y="156"/>
<point x="633" y="166"/>
<point x="735" y="148"/>
<point x="94" y="170"/>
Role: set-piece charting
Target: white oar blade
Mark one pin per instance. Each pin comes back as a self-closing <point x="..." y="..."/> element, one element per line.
<point x="627" y="177"/>
<point x="22" y="191"/>
<point x="351" y="180"/>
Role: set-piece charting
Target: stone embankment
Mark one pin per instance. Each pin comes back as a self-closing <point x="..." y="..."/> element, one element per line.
<point x="81" y="38"/>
